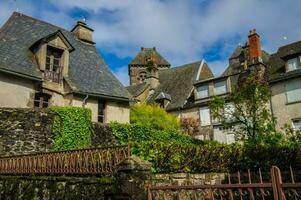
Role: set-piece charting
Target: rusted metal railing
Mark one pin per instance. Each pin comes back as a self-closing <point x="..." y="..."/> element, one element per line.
<point x="247" y="189"/>
<point x="84" y="161"/>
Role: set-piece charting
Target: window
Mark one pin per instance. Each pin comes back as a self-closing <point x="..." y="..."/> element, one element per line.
<point x="202" y="91"/>
<point x="141" y="77"/>
<point x="101" y="111"/>
<point x="293" y="64"/>
<point x="220" y="87"/>
<point x="53" y="64"/>
<point x="41" y="100"/>
<point x="293" y="91"/>
<point x="297" y="124"/>
<point x="205" y="116"/>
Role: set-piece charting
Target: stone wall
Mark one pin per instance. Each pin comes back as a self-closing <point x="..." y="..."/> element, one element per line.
<point x="187" y="179"/>
<point x="102" y="135"/>
<point x="54" y="187"/>
<point x="25" y="131"/>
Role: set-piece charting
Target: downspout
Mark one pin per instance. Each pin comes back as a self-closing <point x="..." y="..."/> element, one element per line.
<point x="85" y="101"/>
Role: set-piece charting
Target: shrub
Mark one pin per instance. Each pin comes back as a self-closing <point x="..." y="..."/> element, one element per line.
<point x="177" y="158"/>
<point x="190" y="126"/>
<point x="153" y="116"/>
<point x="72" y="128"/>
<point x="126" y="133"/>
<point x="171" y="152"/>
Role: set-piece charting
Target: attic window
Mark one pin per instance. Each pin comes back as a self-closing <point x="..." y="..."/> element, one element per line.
<point x="292" y="64"/>
<point x="53" y="66"/>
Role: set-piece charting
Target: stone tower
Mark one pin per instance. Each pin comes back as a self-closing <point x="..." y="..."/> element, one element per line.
<point x="139" y="66"/>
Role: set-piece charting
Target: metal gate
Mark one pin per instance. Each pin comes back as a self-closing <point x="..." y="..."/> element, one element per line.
<point x="273" y="189"/>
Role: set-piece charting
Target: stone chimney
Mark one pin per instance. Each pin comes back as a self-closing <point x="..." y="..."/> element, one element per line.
<point x="255" y="52"/>
<point x="153" y="72"/>
<point x="83" y="32"/>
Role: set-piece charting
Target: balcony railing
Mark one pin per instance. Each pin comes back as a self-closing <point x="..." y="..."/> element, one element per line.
<point x="52" y="75"/>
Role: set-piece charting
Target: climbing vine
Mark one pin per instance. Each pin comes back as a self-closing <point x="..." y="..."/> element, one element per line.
<point x="71" y="128"/>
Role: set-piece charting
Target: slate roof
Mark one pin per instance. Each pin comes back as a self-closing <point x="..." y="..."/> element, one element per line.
<point x="238" y="57"/>
<point x="141" y="58"/>
<point x="88" y="73"/>
<point x="136" y="90"/>
<point x="276" y="64"/>
<point x="177" y="82"/>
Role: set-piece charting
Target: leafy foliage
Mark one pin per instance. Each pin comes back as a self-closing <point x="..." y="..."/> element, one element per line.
<point x="213" y="157"/>
<point x="247" y="113"/>
<point x="153" y="116"/>
<point x="129" y="133"/>
<point x="72" y="128"/>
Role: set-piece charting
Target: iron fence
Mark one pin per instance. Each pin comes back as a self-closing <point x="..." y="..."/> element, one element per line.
<point x="84" y="161"/>
<point x="246" y="188"/>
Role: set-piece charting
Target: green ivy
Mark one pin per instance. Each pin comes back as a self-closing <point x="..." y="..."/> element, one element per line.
<point x="72" y="128"/>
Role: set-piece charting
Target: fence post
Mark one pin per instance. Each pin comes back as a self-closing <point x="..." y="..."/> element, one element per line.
<point x="276" y="183"/>
<point x="132" y="177"/>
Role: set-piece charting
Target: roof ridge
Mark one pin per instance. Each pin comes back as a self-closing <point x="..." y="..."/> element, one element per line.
<point x="15" y="13"/>
<point x="185" y="65"/>
<point x="10" y="20"/>
<point x="287" y="45"/>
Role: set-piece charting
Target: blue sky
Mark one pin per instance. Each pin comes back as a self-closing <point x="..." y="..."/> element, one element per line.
<point x="183" y="31"/>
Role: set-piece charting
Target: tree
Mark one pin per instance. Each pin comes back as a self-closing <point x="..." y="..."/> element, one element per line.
<point x="246" y="109"/>
<point x="153" y="116"/>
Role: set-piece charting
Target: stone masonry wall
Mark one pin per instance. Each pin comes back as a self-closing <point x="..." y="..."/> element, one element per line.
<point x="54" y="187"/>
<point x="25" y="131"/>
<point x="187" y="179"/>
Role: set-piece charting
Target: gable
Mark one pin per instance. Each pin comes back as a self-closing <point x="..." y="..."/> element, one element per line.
<point x="87" y="74"/>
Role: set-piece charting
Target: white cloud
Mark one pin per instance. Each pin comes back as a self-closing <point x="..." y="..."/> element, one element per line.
<point x="181" y="30"/>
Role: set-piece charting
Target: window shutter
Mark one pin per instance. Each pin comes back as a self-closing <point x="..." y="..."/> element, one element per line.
<point x="205" y="116"/>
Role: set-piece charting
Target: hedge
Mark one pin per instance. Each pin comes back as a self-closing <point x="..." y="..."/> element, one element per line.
<point x="71" y="128"/>
<point x="172" y="152"/>
<point x="176" y="158"/>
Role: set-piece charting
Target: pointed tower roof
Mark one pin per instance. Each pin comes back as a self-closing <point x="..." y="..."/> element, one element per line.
<point x="142" y="58"/>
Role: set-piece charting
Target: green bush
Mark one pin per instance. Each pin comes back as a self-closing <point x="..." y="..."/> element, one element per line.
<point x="173" y="158"/>
<point x="72" y="128"/>
<point x="129" y="133"/>
<point x="172" y="152"/>
<point x="153" y="116"/>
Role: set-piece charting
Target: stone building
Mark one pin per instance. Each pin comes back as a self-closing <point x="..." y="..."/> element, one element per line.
<point x="42" y="64"/>
<point x="154" y="81"/>
<point x="285" y="80"/>
<point x="282" y="70"/>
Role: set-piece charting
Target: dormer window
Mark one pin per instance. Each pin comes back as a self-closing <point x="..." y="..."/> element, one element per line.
<point x="292" y="64"/>
<point x="53" y="66"/>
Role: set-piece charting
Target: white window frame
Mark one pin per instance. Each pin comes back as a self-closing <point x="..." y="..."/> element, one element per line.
<point x="293" y="60"/>
<point x="223" y="92"/>
<point x="294" y="121"/>
<point x="296" y="90"/>
<point x="198" y="92"/>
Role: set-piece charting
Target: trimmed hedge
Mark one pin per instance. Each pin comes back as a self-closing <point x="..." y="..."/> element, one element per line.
<point x="172" y="152"/>
<point x="173" y="158"/>
<point x="129" y="133"/>
<point x="72" y="128"/>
